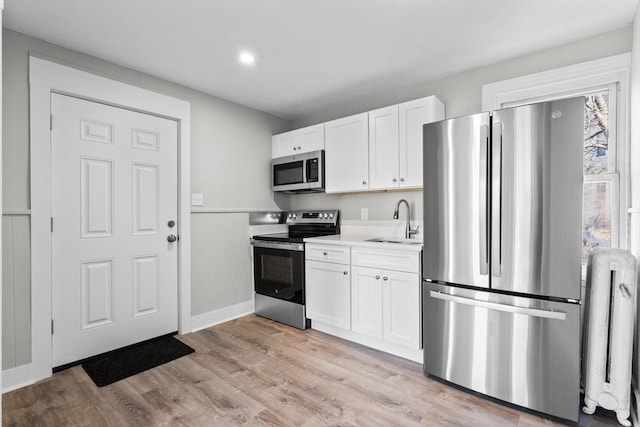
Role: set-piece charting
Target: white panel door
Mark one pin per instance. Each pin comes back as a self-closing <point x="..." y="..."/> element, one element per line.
<point x="346" y="143"/>
<point x="310" y="138"/>
<point x="114" y="191"/>
<point x="383" y="148"/>
<point x="401" y="310"/>
<point x="412" y="116"/>
<point x="328" y="293"/>
<point x="366" y="301"/>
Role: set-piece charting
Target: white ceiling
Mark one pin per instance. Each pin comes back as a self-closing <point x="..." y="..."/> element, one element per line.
<point x="311" y="54"/>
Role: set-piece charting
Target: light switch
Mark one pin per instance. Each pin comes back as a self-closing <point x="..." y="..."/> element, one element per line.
<point x="197" y="199"/>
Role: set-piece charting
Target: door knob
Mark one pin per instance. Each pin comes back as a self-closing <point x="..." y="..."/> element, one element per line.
<point x="171" y="238"/>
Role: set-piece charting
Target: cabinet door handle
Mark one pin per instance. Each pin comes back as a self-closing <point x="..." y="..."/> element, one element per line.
<point x="401" y="179"/>
<point x="377" y="277"/>
<point x="395" y="180"/>
<point x="385" y="278"/>
<point x="294" y="148"/>
<point x="364" y="182"/>
<point x="345" y="272"/>
<point x="299" y="148"/>
<point x="325" y="254"/>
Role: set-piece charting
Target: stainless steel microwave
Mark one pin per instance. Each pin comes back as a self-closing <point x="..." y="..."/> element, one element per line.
<point x="300" y="173"/>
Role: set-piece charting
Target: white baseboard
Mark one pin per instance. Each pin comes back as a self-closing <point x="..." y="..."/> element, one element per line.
<point x="15" y="378"/>
<point x="215" y="317"/>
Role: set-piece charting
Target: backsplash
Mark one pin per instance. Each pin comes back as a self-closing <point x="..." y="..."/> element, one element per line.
<point x="381" y="228"/>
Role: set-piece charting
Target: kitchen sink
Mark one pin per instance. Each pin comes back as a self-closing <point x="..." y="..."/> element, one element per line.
<point x="397" y="241"/>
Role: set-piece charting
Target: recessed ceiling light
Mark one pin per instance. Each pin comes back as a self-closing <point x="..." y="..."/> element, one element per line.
<point x="247" y="58"/>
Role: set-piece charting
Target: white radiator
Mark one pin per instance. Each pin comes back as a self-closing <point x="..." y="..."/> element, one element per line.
<point x="609" y="323"/>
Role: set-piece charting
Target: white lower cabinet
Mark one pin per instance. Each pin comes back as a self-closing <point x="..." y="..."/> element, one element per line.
<point x="371" y="296"/>
<point x="328" y="293"/>
<point x="385" y="304"/>
<point x="401" y="308"/>
<point x="366" y="301"/>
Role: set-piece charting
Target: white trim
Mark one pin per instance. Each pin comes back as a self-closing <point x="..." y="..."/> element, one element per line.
<point x="562" y="80"/>
<point x="215" y="317"/>
<point x="15" y="378"/>
<point x="16" y="212"/>
<point x="46" y="77"/>
<point x="231" y="210"/>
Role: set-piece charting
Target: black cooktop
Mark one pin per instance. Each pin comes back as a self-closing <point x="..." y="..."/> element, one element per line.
<point x="279" y="237"/>
<point x="305" y="224"/>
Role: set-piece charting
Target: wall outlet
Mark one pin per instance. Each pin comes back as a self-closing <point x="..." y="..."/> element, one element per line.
<point x="197" y="199"/>
<point x="364" y="213"/>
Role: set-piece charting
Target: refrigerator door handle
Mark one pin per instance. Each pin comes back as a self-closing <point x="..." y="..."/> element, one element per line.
<point x="496" y="200"/>
<point x="547" y="314"/>
<point x="482" y="199"/>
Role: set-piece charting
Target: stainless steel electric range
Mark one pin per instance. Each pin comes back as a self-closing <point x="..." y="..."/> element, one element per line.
<point x="278" y="265"/>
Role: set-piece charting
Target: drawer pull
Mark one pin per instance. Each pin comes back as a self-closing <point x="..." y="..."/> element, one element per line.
<point x="377" y="277"/>
<point x="345" y="272"/>
<point x="325" y="254"/>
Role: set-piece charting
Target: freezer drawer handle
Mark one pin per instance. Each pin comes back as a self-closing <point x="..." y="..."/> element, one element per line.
<point x="547" y="314"/>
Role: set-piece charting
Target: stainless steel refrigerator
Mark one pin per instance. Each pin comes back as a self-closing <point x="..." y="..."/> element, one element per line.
<point x="502" y="253"/>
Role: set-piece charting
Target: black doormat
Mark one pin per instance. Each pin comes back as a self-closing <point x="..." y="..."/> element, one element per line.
<point x="119" y="364"/>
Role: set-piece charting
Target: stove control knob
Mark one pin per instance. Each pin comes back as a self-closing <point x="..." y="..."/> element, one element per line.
<point x="330" y="216"/>
<point x="294" y="216"/>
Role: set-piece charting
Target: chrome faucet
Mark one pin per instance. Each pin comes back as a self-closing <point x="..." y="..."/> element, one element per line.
<point x="408" y="231"/>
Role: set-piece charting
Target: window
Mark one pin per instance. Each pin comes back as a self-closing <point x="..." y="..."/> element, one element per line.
<point x="601" y="192"/>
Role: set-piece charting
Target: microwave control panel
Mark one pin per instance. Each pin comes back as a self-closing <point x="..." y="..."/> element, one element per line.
<point x="312" y="170"/>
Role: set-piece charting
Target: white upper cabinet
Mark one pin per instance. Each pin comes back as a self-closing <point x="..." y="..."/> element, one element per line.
<point x="412" y="115"/>
<point x="347" y="154"/>
<point x="395" y="142"/>
<point x="383" y="148"/>
<point x="298" y="141"/>
<point x="378" y="150"/>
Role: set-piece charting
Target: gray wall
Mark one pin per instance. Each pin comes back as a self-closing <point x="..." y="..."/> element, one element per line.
<point x="231" y="149"/>
<point x="461" y="94"/>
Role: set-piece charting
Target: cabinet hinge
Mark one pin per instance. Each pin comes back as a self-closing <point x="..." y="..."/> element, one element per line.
<point x="50" y="121"/>
<point x="52" y="224"/>
<point x="51" y="326"/>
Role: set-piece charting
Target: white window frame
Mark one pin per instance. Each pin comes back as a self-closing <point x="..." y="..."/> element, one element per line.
<point x="610" y="73"/>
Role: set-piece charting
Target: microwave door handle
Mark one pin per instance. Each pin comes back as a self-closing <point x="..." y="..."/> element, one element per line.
<point x="307" y="170"/>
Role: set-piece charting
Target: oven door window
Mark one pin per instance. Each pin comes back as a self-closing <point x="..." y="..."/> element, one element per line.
<point x="279" y="273"/>
<point x="288" y="173"/>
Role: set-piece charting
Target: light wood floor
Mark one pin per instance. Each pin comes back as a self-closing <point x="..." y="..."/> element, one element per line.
<point x="253" y="371"/>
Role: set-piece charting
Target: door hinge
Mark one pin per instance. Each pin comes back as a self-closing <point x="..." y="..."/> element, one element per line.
<point x="52" y="224"/>
<point x="51" y="326"/>
<point x="50" y="121"/>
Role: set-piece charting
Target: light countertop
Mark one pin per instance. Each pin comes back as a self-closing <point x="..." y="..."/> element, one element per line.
<point x="401" y="244"/>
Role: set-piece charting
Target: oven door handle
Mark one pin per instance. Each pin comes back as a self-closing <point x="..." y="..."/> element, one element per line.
<point x="286" y="246"/>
